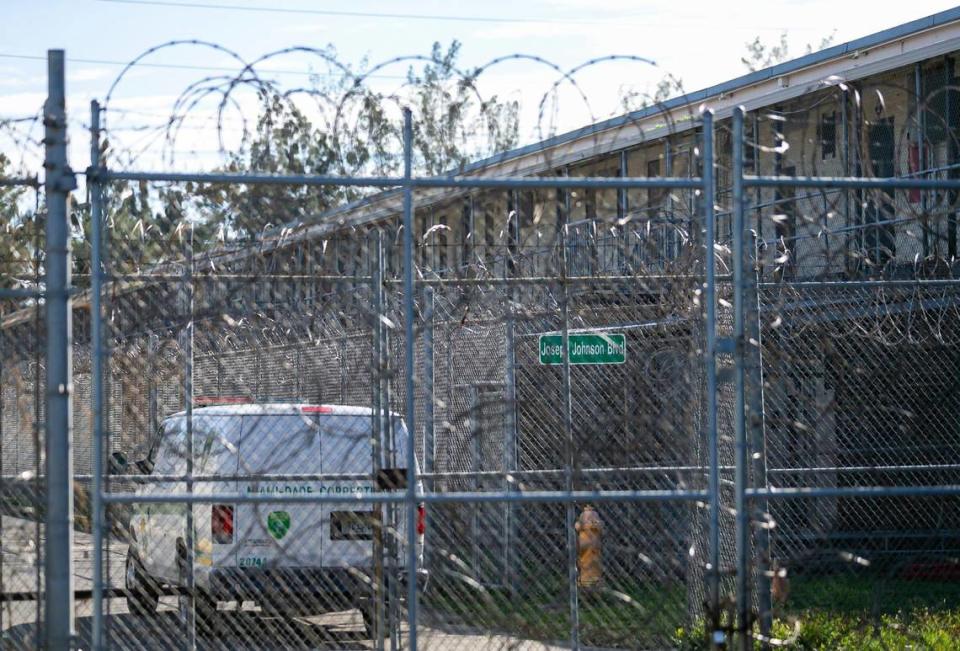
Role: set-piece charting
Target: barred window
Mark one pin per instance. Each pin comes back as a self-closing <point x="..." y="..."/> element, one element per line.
<point x="828" y="135"/>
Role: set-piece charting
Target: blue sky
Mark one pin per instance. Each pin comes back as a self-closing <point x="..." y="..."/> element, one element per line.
<point x="699" y="42"/>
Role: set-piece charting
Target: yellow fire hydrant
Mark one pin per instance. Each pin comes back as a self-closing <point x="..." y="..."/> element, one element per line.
<point x="589" y="559"/>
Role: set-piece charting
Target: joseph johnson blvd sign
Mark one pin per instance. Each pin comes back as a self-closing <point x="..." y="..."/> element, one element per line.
<point x="593" y="348"/>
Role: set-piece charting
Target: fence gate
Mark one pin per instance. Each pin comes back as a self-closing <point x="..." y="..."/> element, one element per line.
<point x="487" y="422"/>
<point x="214" y="430"/>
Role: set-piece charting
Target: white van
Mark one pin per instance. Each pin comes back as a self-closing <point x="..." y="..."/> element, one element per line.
<point x="308" y="558"/>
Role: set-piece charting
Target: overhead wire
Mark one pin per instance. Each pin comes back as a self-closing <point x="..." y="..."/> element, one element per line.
<point x="185" y="66"/>
<point x="361" y="14"/>
<point x="614" y="20"/>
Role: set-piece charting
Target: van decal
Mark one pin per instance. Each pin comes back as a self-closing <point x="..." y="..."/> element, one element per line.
<point x="287" y="489"/>
<point x="271" y="489"/>
<point x="346" y="490"/>
<point x="278" y="524"/>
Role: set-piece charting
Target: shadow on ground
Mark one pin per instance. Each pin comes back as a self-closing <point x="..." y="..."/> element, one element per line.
<point x="234" y="630"/>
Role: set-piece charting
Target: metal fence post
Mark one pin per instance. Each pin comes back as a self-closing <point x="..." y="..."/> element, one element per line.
<point x="510" y="447"/>
<point x="3" y="452"/>
<point x="475" y="433"/>
<point x="186" y="346"/>
<point x="58" y="560"/>
<point x="845" y="155"/>
<point x="96" y="336"/>
<point x="153" y="394"/>
<point x="343" y="370"/>
<point x="713" y="489"/>
<point x="299" y="372"/>
<point x="740" y="432"/>
<point x="668" y="171"/>
<point x="755" y="421"/>
<point x="391" y="547"/>
<point x="428" y="424"/>
<point x="429" y="435"/>
<point x="376" y="383"/>
<point x="569" y="507"/>
<point x="756" y="168"/>
<point x="408" y="304"/>
<point x="921" y="153"/>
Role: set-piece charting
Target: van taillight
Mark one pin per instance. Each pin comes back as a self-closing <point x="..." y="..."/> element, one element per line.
<point x="421" y="519"/>
<point x="221" y="523"/>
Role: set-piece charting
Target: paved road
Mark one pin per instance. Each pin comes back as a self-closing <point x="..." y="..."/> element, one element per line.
<point x="249" y="630"/>
<point x="244" y="629"/>
<point x="19" y="542"/>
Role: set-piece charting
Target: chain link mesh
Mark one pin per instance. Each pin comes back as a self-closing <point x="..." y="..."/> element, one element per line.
<point x="258" y="406"/>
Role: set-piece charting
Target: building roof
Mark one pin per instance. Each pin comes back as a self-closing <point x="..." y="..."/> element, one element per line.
<point x="281" y="409"/>
<point x="879" y="52"/>
<point x="730" y="86"/>
<point x="884" y="50"/>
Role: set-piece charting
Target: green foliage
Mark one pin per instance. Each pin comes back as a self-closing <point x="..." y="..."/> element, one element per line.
<point x="357" y="134"/>
<point x="452" y="125"/>
<point x="904" y="630"/>
<point x="285" y="142"/>
<point x="761" y="55"/>
<point x="17" y="244"/>
<point x="668" y="86"/>
<point x="848" y="612"/>
<point x="632" y="615"/>
<point x="831" y="631"/>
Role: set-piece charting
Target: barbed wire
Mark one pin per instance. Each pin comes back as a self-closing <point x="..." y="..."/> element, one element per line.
<point x="272" y="296"/>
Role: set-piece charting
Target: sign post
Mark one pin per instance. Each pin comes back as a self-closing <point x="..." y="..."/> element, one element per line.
<point x="592" y="348"/>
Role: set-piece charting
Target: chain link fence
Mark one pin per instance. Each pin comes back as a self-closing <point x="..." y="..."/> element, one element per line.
<point x="596" y="408"/>
<point x="21" y="414"/>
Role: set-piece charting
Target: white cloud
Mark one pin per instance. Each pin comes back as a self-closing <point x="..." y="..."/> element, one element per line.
<point x="535" y="30"/>
<point x="593" y="9"/>
<point x="88" y="74"/>
<point x="10" y="81"/>
<point x="306" y="28"/>
<point x="25" y="103"/>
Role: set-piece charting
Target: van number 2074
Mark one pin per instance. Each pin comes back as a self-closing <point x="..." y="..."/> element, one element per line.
<point x="251" y="561"/>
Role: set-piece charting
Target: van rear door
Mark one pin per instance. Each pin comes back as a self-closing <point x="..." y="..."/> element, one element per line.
<point x="396" y="458"/>
<point x="215" y="448"/>
<point x="279" y="534"/>
<point x="214" y="441"/>
<point x="348" y="453"/>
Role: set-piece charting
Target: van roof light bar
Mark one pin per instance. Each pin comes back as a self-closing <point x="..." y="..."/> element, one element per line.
<point x="207" y="401"/>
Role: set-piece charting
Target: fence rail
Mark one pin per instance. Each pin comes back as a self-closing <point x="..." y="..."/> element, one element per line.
<point x="374" y="420"/>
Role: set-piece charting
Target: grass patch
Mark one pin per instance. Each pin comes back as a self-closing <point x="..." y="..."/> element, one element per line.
<point x="822" y="630"/>
<point x="824" y="612"/>
<point x="847" y="612"/>
<point x="617" y="616"/>
<point x="914" y="629"/>
<point x="871" y="612"/>
<point x="871" y="594"/>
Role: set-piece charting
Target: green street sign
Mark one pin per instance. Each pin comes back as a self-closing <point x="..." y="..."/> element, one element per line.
<point x="594" y="348"/>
